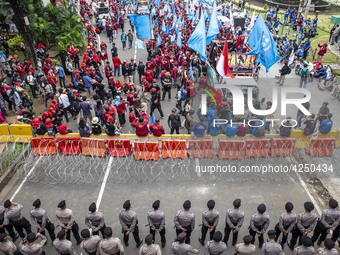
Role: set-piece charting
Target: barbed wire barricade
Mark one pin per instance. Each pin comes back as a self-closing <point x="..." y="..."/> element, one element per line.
<point x="205" y="160"/>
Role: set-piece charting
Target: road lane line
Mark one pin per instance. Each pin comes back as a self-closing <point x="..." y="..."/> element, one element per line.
<point x="24" y="180"/>
<point x="101" y="192"/>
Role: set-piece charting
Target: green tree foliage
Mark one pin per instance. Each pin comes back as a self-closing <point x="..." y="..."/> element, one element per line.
<point x="56" y="26"/>
<point x="15" y="42"/>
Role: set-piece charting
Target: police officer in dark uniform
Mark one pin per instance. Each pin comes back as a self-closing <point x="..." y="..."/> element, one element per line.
<point x="95" y="220"/>
<point x="286" y="224"/>
<point x="185" y="221"/>
<point x="305" y="224"/>
<point x="156" y="220"/>
<point x="234" y="220"/>
<point x="8" y="227"/>
<point x="13" y="215"/>
<point x="329" y="221"/>
<point x="259" y="223"/>
<point x="210" y="220"/>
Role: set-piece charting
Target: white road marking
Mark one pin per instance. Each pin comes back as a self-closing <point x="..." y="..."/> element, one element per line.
<point x="309" y="194"/>
<point x="101" y="192"/>
<point x="24" y="180"/>
<point x="197" y="163"/>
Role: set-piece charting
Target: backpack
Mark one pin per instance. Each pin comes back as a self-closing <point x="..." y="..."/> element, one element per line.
<point x="304" y="74"/>
<point x="83" y="132"/>
<point x="260" y="132"/>
<point x="184" y="94"/>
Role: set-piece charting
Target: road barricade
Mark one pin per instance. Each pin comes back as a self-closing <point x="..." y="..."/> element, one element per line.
<point x="174" y="149"/>
<point x="20" y="133"/>
<point x="44" y="146"/>
<point x="146" y="150"/>
<point x="201" y="149"/>
<point x="230" y="149"/>
<point x="282" y="147"/>
<point x="321" y="147"/>
<point x="4" y="133"/>
<point x="93" y="147"/>
<point x="119" y="147"/>
<point x="257" y="148"/>
<point x="69" y="145"/>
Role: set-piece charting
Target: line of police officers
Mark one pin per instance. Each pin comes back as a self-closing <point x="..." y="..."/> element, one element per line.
<point x="300" y="226"/>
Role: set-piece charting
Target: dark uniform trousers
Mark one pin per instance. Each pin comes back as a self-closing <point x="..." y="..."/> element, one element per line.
<point x="188" y="232"/>
<point x="278" y="232"/>
<point x="101" y="230"/>
<point x="321" y="230"/>
<point x="75" y="231"/>
<point x="296" y="233"/>
<point x="21" y="224"/>
<point x="50" y="228"/>
<point x="204" y="231"/>
<point x="253" y="233"/>
<point x="9" y="229"/>
<point x="166" y="89"/>
<point x="161" y="233"/>
<point x="135" y="234"/>
<point x="227" y="231"/>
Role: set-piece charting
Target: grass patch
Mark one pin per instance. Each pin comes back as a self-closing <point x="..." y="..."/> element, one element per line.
<point x="15" y="152"/>
<point x="329" y="58"/>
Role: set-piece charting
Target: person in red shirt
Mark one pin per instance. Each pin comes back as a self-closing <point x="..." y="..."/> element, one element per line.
<point x="116" y="64"/>
<point x="108" y="71"/>
<point x="156" y="128"/>
<point x="62" y="128"/>
<point x="149" y="75"/>
<point x="191" y="92"/>
<point x="322" y="51"/>
<point x="129" y="97"/>
<point x="103" y="55"/>
<point x="141" y="127"/>
<point x="242" y="130"/>
<point x="121" y="110"/>
<point x="240" y="42"/>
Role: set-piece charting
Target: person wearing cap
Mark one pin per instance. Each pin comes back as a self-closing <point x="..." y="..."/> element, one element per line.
<point x="116" y="65"/>
<point x="155" y="102"/>
<point x="286" y="224"/>
<point x="8" y="227"/>
<point x="40" y="220"/>
<point x="271" y="247"/>
<point x="245" y="248"/>
<point x="234" y="220"/>
<point x="28" y="246"/>
<point x="306" y="247"/>
<point x="326" y="125"/>
<point x="132" y="71"/>
<point x="13" y="216"/>
<point x="96" y="127"/>
<point x="110" y="245"/>
<point x="323" y="112"/>
<point x="156" y="221"/>
<point x="304" y="73"/>
<point x="65" y="220"/>
<point x="128" y="220"/>
<point x="210" y="220"/>
<point x="174" y="122"/>
<point x="62" y="246"/>
<point x="166" y="81"/>
<point x="329" y="221"/>
<point x="322" y="51"/>
<point x="7" y="246"/>
<point x="157" y="129"/>
<point x="328" y="249"/>
<point x="216" y="246"/>
<point x="181" y="247"/>
<point x="95" y="220"/>
<point x="64" y="103"/>
<point x="121" y="110"/>
<point x="259" y="223"/>
<point x="149" y="248"/>
<point x="306" y="222"/>
<point x="185" y="221"/>
<point x="149" y="75"/>
<point x="141" y="126"/>
<point x="90" y="243"/>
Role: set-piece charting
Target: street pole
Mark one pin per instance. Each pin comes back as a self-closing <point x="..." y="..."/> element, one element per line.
<point x="307" y="8"/>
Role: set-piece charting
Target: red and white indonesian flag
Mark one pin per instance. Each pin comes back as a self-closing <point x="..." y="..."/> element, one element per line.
<point x="223" y="63"/>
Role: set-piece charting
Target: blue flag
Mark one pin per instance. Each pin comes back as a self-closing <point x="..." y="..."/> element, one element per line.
<point x="167" y="30"/>
<point x="163" y="26"/>
<point x="191" y="74"/>
<point x="159" y="40"/>
<point x="213" y="29"/>
<point x="197" y="40"/>
<point x="153" y="11"/>
<point x="187" y="8"/>
<point x="197" y="16"/>
<point x="263" y="45"/>
<point x="179" y="39"/>
<point x="207" y="2"/>
<point x="152" y="120"/>
<point x="156" y="21"/>
<point x="142" y="25"/>
<point x="140" y="44"/>
<point x="118" y="16"/>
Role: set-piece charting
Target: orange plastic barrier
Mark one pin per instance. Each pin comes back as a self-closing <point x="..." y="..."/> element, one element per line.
<point x="230" y="149"/>
<point x="146" y="150"/>
<point x="200" y="149"/>
<point x="174" y="149"/>
<point x="282" y="147"/>
<point x="69" y="145"/>
<point x="321" y="147"/>
<point x="119" y="147"/>
<point x="93" y="147"/>
<point x="44" y="146"/>
<point x="257" y="148"/>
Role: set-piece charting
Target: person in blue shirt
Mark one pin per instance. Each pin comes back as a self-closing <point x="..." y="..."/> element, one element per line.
<point x="277" y="24"/>
<point x="61" y="75"/>
<point x="214" y="131"/>
<point x="257" y="124"/>
<point x="315" y="21"/>
<point x="299" y="52"/>
<point x="293" y="19"/>
<point x="231" y="130"/>
<point x="326" y="125"/>
<point x="308" y="22"/>
<point x="306" y="48"/>
<point x="199" y="128"/>
<point x="88" y="81"/>
<point x="301" y="37"/>
<point x="286" y="16"/>
<point x="211" y="113"/>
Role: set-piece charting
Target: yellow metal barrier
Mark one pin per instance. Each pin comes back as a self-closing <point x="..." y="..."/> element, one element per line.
<point x="4" y="133"/>
<point x="20" y="133"/>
